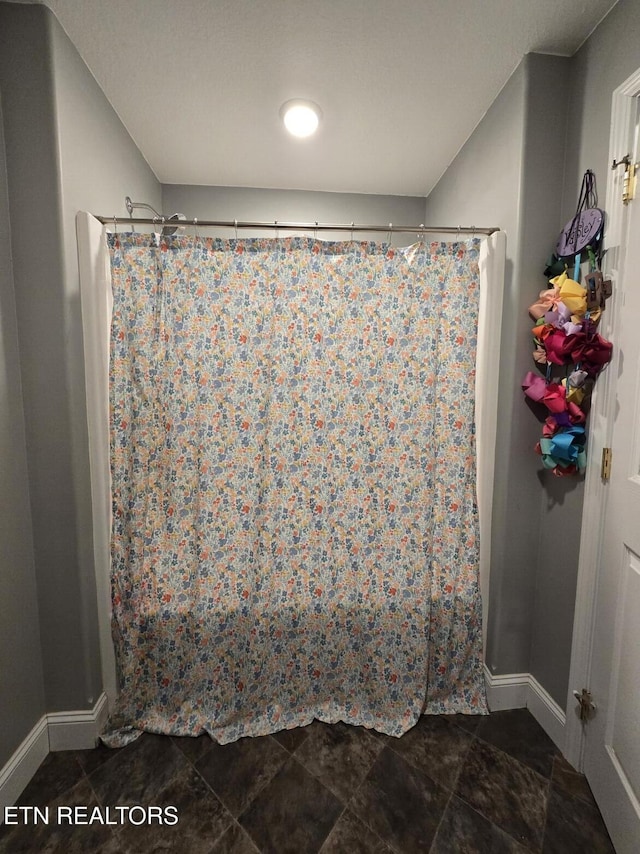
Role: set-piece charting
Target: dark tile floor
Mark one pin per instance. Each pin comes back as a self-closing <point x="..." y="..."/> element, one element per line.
<point x="452" y="785"/>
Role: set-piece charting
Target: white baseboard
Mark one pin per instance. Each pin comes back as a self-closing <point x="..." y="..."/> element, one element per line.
<point x="58" y="731"/>
<point x="547" y="712"/>
<point x="23" y="765"/>
<point x="522" y="690"/>
<point x="77" y="730"/>
<point x="506" y="692"/>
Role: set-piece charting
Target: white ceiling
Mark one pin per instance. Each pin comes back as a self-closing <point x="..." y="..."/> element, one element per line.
<point x="402" y="83"/>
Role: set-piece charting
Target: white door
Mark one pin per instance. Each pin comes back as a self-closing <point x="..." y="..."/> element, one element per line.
<point x="612" y="736"/>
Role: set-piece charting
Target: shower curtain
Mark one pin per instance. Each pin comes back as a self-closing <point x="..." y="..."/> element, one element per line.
<point x="295" y="529"/>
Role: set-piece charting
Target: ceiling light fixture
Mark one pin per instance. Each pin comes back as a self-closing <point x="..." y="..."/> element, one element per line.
<point x="301" y="118"/>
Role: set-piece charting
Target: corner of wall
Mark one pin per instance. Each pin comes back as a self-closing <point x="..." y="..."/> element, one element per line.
<point x="560" y="500"/>
<point x="27" y="78"/>
<point x="23" y="694"/>
<point x="487" y="183"/>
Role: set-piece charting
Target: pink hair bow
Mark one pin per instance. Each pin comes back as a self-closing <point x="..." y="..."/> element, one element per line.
<point x="559" y="346"/>
<point x="540" y="355"/>
<point x="546" y="302"/>
<point x="534" y="387"/>
<point x="554" y="397"/>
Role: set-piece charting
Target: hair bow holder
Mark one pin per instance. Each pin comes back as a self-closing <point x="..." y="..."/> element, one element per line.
<point x="566" y="315"/>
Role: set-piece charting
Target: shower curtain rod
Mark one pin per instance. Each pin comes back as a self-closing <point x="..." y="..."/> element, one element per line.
<point x="171" y="222"/>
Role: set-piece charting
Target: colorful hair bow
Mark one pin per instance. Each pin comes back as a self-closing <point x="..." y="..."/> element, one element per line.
<point x="554" y="397"/>
<point x="546" y="302"/>
<point x="563" y="452"/>
<point x="542" y="330"/>
<point x="574" y="395"/>
<point x="558" y="316"/>
<point x="551" y="426"/>
<point x="576" y="386"/>
<point x="573" y="295"/>
<point x="565" y="334"/>
<point x="534" y="386"/>
<point x="577" y="379"/>
<point x="558" y="346"/>
<point x="590" y="349"/>
<point x="540" y="355"/>
<point x="562" y="318"/>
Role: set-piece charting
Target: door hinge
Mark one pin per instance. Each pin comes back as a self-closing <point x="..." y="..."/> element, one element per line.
<point x="629" y="180"/>
<point x="605" y="468"/>
<point x="586" y="706"/>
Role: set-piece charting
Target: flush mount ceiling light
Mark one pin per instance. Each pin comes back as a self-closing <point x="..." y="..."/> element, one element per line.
<point x="301" y="118"/>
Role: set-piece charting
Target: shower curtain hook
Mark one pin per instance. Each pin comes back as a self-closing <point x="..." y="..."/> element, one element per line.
<point x="115" y="225"/>
<point x="389" y="232"/>
<point x="235" y="225"/>
<point x="352" y="224"/>
<point x="275" y="223"/>
<point x="195" y="227"/>
<point x="421" y="233"/>
<point x="315" y="231"/>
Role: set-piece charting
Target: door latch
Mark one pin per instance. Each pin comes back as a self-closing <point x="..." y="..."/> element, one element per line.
<point x="586" y="706"/>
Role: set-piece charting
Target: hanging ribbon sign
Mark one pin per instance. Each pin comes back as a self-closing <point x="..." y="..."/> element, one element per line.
<point x="567" y="345"/>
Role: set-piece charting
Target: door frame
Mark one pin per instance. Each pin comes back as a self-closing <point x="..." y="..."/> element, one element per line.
<point x="602" y="416"/>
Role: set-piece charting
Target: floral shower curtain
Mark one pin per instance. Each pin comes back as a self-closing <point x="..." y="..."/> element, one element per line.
<point x="295" y="531"/>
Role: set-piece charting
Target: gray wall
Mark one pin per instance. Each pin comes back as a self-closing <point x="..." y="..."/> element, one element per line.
<point x="608" y="57"/>
<point x="22" y="695"/>
<point x="66" y="150"/>
<point x="510" y="174"/>
<point x="98" y="166"/>
<point x="558" y="500"/>
<point x="483" y="186"/>
<point x="242" y="203"/>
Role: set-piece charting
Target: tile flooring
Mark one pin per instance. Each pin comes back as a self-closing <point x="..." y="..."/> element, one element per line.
<point x="451" y="785"/>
